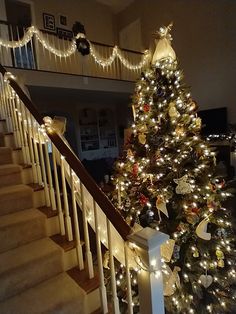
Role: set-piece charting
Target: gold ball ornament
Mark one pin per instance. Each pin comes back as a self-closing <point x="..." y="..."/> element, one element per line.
<point x="143" y="128"/>
<point x="193" y="106"/>
<point x="173" y="112"/>
<point x="192" y="218"/>
<point x="180" y="130"/>
<point x="196" y="253"/>
<point x="198" y="123"/>
<point x="221" y="263"/>
<point x="185" y="118"/>
<point x="142" y="138"/>
<point x="220" y="254"/>
<point x="130" y="153"/>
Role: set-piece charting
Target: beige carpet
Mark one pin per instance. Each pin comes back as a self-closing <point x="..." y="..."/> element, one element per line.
<point x="32" y="277"/>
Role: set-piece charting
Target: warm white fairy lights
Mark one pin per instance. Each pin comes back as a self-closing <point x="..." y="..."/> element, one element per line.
<point x="103" y="62"/>
<point x="116" y="53"/>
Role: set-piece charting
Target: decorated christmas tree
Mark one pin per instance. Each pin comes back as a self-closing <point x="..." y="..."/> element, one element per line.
<point x="166" y="180"/>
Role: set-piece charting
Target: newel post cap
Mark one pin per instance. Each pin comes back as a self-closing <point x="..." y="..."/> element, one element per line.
<point x="148" y="238"/>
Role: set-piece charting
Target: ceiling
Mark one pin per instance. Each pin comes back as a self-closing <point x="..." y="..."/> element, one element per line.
<point x="116" y="5"/>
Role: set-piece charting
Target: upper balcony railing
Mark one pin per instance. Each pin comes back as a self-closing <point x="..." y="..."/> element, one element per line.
<point x="45" y="51"/>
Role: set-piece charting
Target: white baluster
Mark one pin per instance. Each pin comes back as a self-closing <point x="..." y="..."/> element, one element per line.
<point x="43" y="169"/>
<point x="128" y="281"/>
<point x="36" y="153"/>
<point x="49" y="175"/>
<point x="9" y="112"/>
<point x="31" y="150"/>
<point x="19" y="49"/>
<point x="55" y="57"/>
<point x="26" y="52"/>
<point x="3" y="97"/>
<point x="115" y="300"/>
<point x="33" y="50"/>
<point x="76" y="224"/>
<point x="89" y="258"/>
<point x="58" y="195"/>
<point x="19" y="120"/>
<point x="12" y="50"/>
<point x="24" y="129"/>
<point x="16" y="132"/>
<point x="102" y="287"/>
<point x="65" y="199"/>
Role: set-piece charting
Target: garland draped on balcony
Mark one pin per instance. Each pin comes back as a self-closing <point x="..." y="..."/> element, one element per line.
<point x="104" y="62"/>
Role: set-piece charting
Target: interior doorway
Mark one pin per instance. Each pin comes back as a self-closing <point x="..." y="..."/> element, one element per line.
<point x="19" y="18"/>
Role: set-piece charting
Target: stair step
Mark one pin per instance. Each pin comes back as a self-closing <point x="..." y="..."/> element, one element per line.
<point x="9" y="140"/>
<point x="5" y="155"/>
<point x="57" y="295"/>
<point x="21" y="227"/>
<point x="28" y="265"/>
<point x="2" y="143"/>
<point x="14" y="198"/>
<point x="82" y="279"/>
<point x="10" y="174"/>
<point x="62" y="241"/>
<point x="3" y="125"/>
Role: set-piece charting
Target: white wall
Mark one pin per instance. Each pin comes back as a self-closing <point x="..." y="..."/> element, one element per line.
<point x="204" y="40"/>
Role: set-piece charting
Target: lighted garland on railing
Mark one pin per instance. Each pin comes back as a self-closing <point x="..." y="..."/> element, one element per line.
<point x="104" y="62"/>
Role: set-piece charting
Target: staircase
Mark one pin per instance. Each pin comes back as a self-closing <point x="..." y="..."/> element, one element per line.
<point x="57" y="226"/>
<point x="32" y="271"/>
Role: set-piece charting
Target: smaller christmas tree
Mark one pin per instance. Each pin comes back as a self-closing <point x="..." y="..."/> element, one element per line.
<point x="166" y="180"/>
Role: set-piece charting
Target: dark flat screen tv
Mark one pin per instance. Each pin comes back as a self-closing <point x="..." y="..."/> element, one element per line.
<point x="214" y="121"/>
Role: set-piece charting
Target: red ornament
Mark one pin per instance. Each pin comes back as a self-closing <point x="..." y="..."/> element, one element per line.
<point x="143" y="200"/>
<point x="146" y="108"/>
<point x="195" y="210"/>
<point x="135" y="169"/>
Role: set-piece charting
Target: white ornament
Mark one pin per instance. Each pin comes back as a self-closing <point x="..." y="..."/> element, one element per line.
<point x="161" y="206"/>
<point x="171" y="280"/>
<point x="206" y="280"/>
<point x="183" y="187"/>
<point x="201" y="230"/>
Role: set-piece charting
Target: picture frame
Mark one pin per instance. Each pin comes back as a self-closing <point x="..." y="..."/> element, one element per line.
<point x="49" y="22"/>
<point x="64" y="33"/>
<point x="62" y="20"/>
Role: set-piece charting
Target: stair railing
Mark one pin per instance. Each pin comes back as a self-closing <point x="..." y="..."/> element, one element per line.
<point x="81" y="198"/>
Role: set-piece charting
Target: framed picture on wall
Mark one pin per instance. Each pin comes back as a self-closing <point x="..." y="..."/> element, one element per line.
<point x="64" y="33"/>
<point x="49" y="21"/>
<point x="62" y="20"/>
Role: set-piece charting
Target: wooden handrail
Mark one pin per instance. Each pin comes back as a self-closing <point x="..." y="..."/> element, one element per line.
<point x="101" y="199"/>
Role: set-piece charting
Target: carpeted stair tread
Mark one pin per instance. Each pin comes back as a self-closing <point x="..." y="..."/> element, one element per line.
<point x="21" y="227"/>
<point x="14" y="198"/>
<point x="9" y="168"/>
<point x="5" y="155"/>
<point x="10" y="174"/>
<point x="2" y="142"/>
<point x="58" y="295"/>
<point x="28" y="265"/>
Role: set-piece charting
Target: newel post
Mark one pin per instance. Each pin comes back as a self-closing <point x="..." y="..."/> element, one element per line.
<point x="148" y="242"/>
